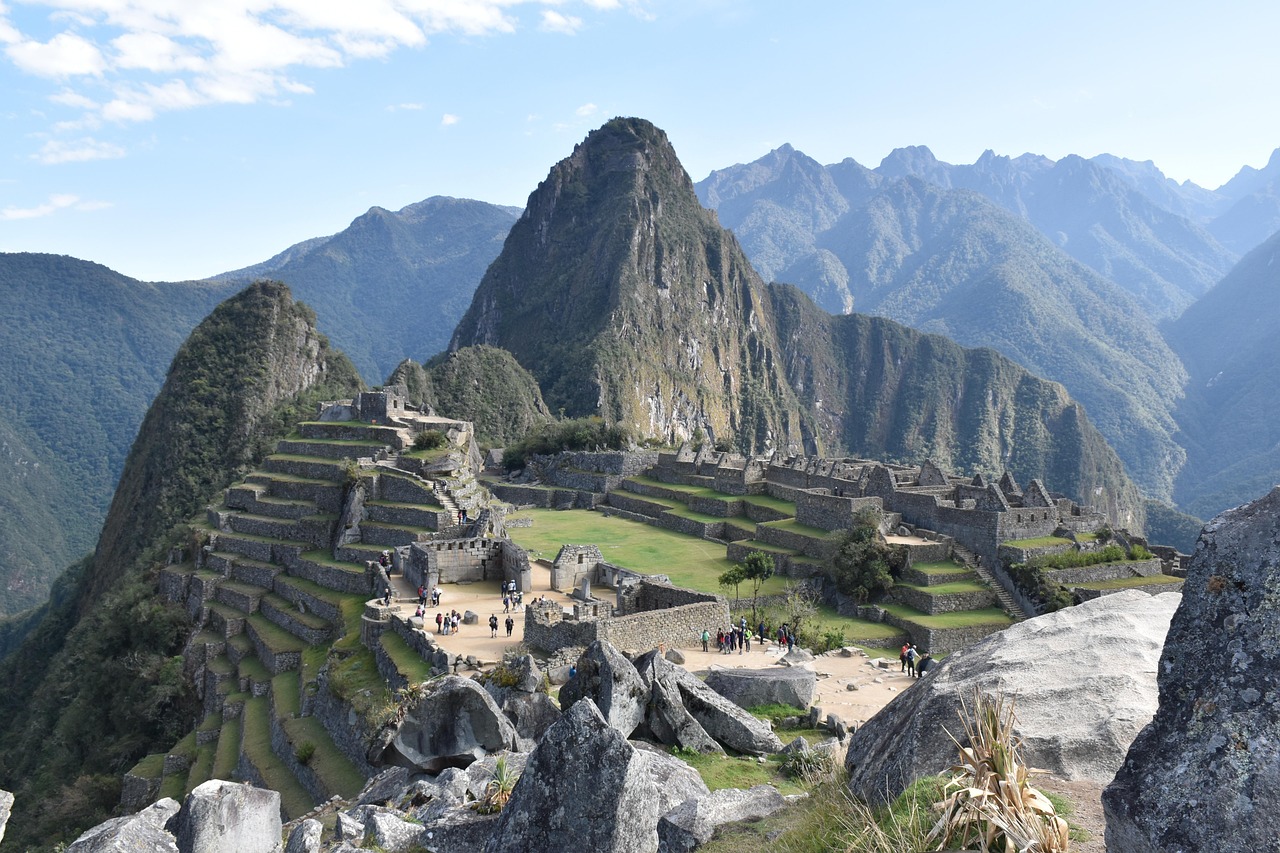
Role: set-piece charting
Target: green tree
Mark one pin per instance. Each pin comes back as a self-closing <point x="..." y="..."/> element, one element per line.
<point x="733" y="577"/>
<point x="757" y="567"/>
<point x="861" y="566"/>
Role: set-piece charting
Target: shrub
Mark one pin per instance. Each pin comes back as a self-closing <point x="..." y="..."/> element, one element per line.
<point x="1138" y="552"/>
<point x="1047" y="594"/>
<point x="304" y="752"/>
<point x="429" y="440"/>
<point x="863" y="566"/>
<point x="565" y="435"/>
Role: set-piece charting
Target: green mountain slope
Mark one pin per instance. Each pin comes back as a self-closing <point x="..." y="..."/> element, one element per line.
<point x="1230" y="418"/>
<point x="99" y="681"/>
<point x="392" y="284"/>
<point x="624" y="298"/>
<point x="85" y="350"/>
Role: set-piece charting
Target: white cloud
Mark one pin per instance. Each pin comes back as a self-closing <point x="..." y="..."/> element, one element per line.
<point x="67" y="98"/>
<point x="64" y="55"/>
<point x="77" y="151"/>
<point x="449" y="119"/>
<point x="393" y="108"/>
<point x="554" y="22"/>
<point x="55" y="203"/>
<point x="585" y="110"/>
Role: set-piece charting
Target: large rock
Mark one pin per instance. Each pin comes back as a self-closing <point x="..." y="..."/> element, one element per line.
<point x="723" y="720"/>
<point x="584" y="788"/>
<point x="143" y="832"/>
<point x="305" y="837"/>
<point x="666" y="717"/>
<point x="610" y="680"/>
<point x="1083" y="683"/>
<point x="692" y="823"/>
<point x="1205" y="774"/>
<point x="676" y="781"/>
<point x="749" y="688"/>
<point x="453" y="724"/>
<point x="228" y="817"/>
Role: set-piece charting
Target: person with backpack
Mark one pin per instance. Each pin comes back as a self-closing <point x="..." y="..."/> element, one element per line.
<point x="902" y="657"/>
<point x="911" y="661"/>
<point x="493" y="624"/>
<point x="511" y="624"/>
<point x="706" y="640"/>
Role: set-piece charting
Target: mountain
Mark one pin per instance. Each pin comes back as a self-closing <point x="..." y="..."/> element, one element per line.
<point x="99" y="681"/>
<point x="953" y="262"/>
<point x="625" y="298"/>
<point x="1185" y="199"/>
<point x="392" y="283"/>
<point x="85" y="349"/>
<point x="1230" y="418"/>
<point x="483" y="385"/>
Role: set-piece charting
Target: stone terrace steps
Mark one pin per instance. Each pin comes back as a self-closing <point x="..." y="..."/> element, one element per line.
<point x="241" y="596"/>
<point x="345" y="429"/>
<point x="307" y="627"/>
<point x="258" y="761"/>
<point x="310" y="467"/>
<point x="254" y="498"/>
<point x="1007" y="602"/>
<point x="331" y="448"/>
<point x="390" y="535"/>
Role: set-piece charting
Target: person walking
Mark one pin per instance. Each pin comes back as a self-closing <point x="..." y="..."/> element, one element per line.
<point x="493" y="624"/>
<point x="511" y="624"/>
<point x="911" y="661"/>
<point x="902" y="657"/>
<point x="706" y="640"/>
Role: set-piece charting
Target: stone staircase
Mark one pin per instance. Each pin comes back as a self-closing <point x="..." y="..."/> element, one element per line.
<point x="1007" y="602"/>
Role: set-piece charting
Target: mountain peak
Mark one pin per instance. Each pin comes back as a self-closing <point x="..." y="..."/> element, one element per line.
<point x="911" y="160"/>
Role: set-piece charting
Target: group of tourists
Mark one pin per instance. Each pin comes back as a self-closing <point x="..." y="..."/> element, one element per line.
<point x="422" y="596"/>
<point x="447" y="623"/>
<point x="737" y="638"/>
<point x="914" y="663"/>
<point x="512" y="599"/>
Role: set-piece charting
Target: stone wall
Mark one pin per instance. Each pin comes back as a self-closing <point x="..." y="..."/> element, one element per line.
<point x="515" y="565"/>
<point x="948" y="603"/>
<point x="1174" y="585"/>
<point x="549" y="628"/>
<point x="1106" y="571"/>
<point x="572" y="564"/>
<point x="796" y="541"/>
<point x="828" y="512"/>
<point x="647" y="595"/>
<point x="453" y="560"/>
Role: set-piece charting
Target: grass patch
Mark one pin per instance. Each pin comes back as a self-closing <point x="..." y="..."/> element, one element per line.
<point x="253" y="669"/>
<point x="336" y="772"/>
<point x="174" y="785"/>
<point x="1038" y="542"/>
<point x="793" y="526"/>
<point x="227" y="754"/>
<point x="725" y="771"/>
<point x="948" y="588"/>
<point x="286" y="695"/>
<point x="150" y="767"/>
<point x="407" y="662"/>
<point x="273" y="636"/>
<point x="941" y="568"/>
<point x="776" y="713"/>
<point x="1125" y="583"/>
<point x="200" y="769"/>
<point x="294" y="799"/>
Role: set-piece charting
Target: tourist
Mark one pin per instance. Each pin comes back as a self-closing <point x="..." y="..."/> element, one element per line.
<point x="435" y="597"/>
<point x="419" y="612"/>
<point x="386" y="597"/>
<point x="762" y="633"/>
<point x="911" y="661"/>
<point x="422" y="595"/>
<point x="493" y="625"/>
<point x="742" y="639"/>
<point x="519" y="601"/>
<point x="902" y="658"/>
<point x="720" y="639"/>
<point x="791" y="641"/>
<point x="746" y="639"/>
<point x="511" y="624"/>
<point x="506" y="604"/>
<point x="926" y="660"/>
<point x="456" y="622"/>
<point x="439" y="622"/>
<point x="706" y="640"/>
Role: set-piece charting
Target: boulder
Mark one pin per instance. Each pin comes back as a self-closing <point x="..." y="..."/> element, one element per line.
<point x="392" y="833"/>
<point x="531" y="714"/>
<point x="349" y="828"/>
<point x="305" y="837"/>
<point x="143" y="832"/>
<point x="675" y="656"/>
<point x="470" y="618"/>
<point x="1082" y="680"/>
<point x="584" y="788"/>
<point x="6" y="808"/>
<point x="461" y="829"/>
<point x="731" y="726"/>
<point x="676" y="780"/>
<point x="749" y="688"/>
<point x="666" y="717"/>
<point x="480" y="774"/>
<point x="228" y="817"/>
<point x="387" y="788"/>
<point x="610" y="680"/>
<point x="692" y="823"/>
<point x="796" y="656"/>
<point x="1205" y="774"/>
<point x="454" y="723"/>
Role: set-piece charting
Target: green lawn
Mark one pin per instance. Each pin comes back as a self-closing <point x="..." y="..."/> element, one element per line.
<point x="688" y="561"/>
<point x="944" y="568"/>
<point x="959" y="619"/>
<point x="790" y="524"/>
<point x="1038" y="542"/>
<point x="947" y="588"/>
<point x="778" y="504"/>
<point x="1124" y="583"/>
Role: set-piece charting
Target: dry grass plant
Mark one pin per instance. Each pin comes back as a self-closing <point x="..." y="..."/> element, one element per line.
<point x="991" y="806"/>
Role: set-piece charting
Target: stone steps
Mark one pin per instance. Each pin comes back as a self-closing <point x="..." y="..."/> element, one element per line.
<point x="225" y="620"/>
<point x="241" y="596"/>
<point x="307" y="627"/>
<point x="325" y="494"/>
<point x="261" y="548"/>
<point x="315" y="530"/>
<point x="252" y="677"/>
<point x="358" y="553"/>
<point x="310" y="467"/>
<point x="252" y="498"/>
<point x="390" y="535"/>
<point x="277" y="649"/>
<point x="403" y="487"/>
<point x="345" y="576"/>
<point x="239" y="647"/>
<point x="331" y="448"/>
<point x="1007" y="602"/>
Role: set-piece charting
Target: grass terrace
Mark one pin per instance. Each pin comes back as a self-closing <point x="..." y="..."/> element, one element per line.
<point x="958" y="619"/>
<point x="1038" y="542"/>
<point x="1125" y="583"/>
<point x="947" y="588"/>
<point x="688" y="561"/>
<point x="778" y="504"/>
<point x="941" y="569"/>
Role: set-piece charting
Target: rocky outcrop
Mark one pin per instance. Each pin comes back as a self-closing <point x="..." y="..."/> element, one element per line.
<point x="610" y="680"/>
<point x="305" y="837"/>
<point x="517" y="687"/>
<point x="1205" y="774"/>
<point x="723" y="720"/>
<point x="584" y="788"/>
<point x="750" y="688"/>
<point x="143" y="832"/>
<point x="6" y="808"/>
<point x="666" y="717"/>
<point x="675" y="780"/>
<point x="692" y="823"/>
<point x="453" y="724"/>
<point x="1082" y="680"/>
<point x="228" y="817"/>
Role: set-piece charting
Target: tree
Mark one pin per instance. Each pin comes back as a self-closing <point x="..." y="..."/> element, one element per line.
<point x="861" y="566"/>
<point x="733" y="577"/>
<point x="801" y="604"/>
<point x="757" y="567"/>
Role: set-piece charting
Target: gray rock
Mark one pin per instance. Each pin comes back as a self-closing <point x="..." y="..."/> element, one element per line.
<point x="393" y="833"/>
<point x="750" y="688"/>
<point x="453" y="724"/>
<point x="676" y="780"/>
<point x="349" y="828"/>
<point x="305" y="837"/>
<point x="815" y="714"/>
<point x="6" y="809"/>
<point x="143" y="832"/>
<point x="799" y="746"/>
<point x="584" y="789"/>
<point x="610" y="680"/>
<point x="531" y="714"/>
<point x="228" y="817"/>
<point x="481" y="773"/>
<point x="836" y="726"/>
<point x="528" y="675"/>
<point x="691" y="824"/>
<point x="796" y="656"/>
<point x="470" y="618"/>
<point x="666" y="717"/>
<point x="731" y="726"/>
<point x="558" y="675"/>
<point x="1205" y="774"/>
<point x="387" y="788"/>
<point x="459" y="830"/>
<point x="675" y="656"/>
<point x="1082" y="680"/>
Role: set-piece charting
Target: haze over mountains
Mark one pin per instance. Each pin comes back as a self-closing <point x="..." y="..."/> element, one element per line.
<point x="1071" y="268"/>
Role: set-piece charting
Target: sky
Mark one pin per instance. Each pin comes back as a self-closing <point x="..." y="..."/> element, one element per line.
<point x="176" y="139"/>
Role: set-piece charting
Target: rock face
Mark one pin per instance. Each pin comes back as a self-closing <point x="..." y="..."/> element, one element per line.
<point x="519" y="695"/>
<point x="750" y="688"/>
<point x="6" y="808"/>
<point x="143" y="832"/>
<point x="454" y="724"/>
<point x="666" y="717"/>
<point x="610" y="680"/>
<point x="1083" y="682"/>
<point x="725" y="721"/>
<point x="676" y="781"/>
<point x="1205" y="774"/>
<point x="584" y="788"/>
<point x="228" y="817"/>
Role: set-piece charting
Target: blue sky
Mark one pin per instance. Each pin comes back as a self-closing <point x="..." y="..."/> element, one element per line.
<point x="173" y="139"/>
